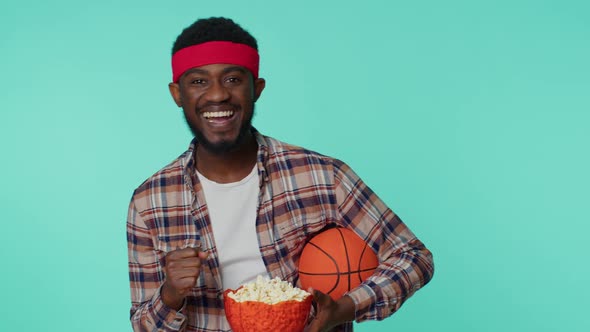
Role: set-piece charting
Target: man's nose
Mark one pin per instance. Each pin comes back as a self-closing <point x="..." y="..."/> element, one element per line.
<point x="217" y="92"/>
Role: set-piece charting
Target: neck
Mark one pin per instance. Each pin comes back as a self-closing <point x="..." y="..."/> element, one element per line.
<point x="227" y="167"/>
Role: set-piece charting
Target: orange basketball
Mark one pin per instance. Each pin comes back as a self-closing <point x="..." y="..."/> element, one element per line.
<point x="335" y="262"/>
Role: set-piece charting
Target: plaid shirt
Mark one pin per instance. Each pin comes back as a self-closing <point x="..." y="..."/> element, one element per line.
<point x="301" y="193"/>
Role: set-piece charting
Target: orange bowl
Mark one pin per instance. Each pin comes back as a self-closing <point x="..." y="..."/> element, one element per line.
<point x="253" y="316"/>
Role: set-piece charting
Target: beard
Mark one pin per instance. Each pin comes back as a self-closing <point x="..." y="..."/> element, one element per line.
<point x="224" y="146"/>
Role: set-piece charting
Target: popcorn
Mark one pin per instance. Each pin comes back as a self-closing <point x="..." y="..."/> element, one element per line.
<point x="269" y="291"/>
<point x="267" y="305"/>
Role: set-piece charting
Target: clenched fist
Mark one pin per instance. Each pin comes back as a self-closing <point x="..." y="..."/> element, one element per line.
<point x="182" y="269"/>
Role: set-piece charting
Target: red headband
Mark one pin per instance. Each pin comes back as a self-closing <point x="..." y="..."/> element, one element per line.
<point x="214" y="52"/>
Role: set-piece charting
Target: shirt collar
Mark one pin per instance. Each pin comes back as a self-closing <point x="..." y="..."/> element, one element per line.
<point x="189" y="164"/>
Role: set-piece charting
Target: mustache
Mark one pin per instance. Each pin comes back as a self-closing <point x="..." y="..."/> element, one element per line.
<point x="218" y="105"/>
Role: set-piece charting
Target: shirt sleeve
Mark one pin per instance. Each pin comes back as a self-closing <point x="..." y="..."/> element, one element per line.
<point x="148" y="311"/>
<point x="405" y="264"/>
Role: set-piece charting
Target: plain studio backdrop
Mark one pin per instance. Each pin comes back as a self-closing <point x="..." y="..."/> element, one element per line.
<point x="470" y="119"/>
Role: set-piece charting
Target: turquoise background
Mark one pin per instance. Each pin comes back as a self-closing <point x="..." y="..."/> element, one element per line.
<point x="469" y="118"/>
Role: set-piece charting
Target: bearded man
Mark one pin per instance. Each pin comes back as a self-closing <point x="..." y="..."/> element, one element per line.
<point x="238" y="204"/>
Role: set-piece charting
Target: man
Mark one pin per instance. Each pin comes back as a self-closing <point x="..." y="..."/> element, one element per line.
<point x="238" y="204"/>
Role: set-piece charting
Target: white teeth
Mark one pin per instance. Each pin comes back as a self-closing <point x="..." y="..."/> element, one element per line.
<point x="218" y="114"/>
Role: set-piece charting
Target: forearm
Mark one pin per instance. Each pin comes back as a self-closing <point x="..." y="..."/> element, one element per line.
<point x="148" y="311"/>
<point x="405" y="265"/>
<point x="155" y="315"/>
<point x="396" y="279"/>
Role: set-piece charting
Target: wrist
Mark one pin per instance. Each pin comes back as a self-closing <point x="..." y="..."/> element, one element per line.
<point x="170" y="298"/>
<point x="345" y="309"/>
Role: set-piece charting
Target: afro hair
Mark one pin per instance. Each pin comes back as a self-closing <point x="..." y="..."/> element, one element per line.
<point x="213" y="29"/>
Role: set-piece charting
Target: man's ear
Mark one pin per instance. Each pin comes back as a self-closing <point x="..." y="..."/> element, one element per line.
<point x="259" y="85"/>
<point x="175" y="92"/>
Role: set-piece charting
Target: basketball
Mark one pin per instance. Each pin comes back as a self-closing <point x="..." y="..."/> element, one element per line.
<point x="335" y="262"/>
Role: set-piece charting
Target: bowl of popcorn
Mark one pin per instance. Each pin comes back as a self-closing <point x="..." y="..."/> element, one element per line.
<point x="267" y="305"/>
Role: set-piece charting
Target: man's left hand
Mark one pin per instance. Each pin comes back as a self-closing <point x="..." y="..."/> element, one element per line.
<point x="330" y="313"/>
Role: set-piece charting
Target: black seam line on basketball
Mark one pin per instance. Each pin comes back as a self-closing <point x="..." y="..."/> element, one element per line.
<point x="360" y="260"/>
<point x="337" y="273"/>
<point x="346" y="254"/>
<point x="333" y="261"/>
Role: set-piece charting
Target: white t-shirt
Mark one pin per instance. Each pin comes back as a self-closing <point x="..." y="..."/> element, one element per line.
<point x="232" y="211"/>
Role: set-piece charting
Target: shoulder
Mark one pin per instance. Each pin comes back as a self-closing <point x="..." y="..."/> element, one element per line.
<point x="169" y="178"/>
<point x="298" y="162"/>
<point x="279" y="151"/>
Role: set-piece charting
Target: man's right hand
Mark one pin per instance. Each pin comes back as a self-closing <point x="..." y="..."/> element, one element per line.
<point x="182" y="268"/>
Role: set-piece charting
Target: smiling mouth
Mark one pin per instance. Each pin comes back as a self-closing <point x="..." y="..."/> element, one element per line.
<point x="220" y="115"/>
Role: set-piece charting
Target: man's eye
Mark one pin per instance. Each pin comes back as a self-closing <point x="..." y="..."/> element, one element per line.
<point x="233" y="80"/>
<point x="198" y="81"/>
